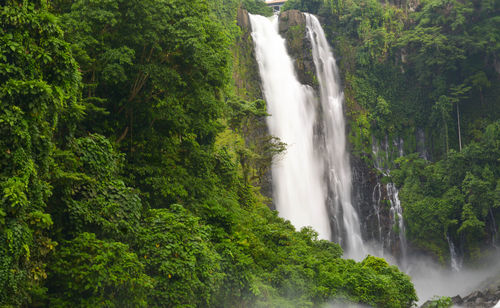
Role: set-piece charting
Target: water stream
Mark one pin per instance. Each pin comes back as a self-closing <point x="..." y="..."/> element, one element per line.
<point x="398" y="222"/>
<point x="312" y="182"/>
<point x="396" y="237"/>
<point x="455" y="261"/>
<point x="336" y="159"/>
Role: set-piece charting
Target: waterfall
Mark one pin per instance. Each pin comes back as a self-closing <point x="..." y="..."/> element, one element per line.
<point x="493" y="228"/>
<point x="455" y="262"/>
<point x="298" y="186"/>
<point x="376" y="198"/>
<point x="397" y="220"/>
<point x="335" y="156"/>
<point x="312" y="182"/>
<point x="381" y="160"/>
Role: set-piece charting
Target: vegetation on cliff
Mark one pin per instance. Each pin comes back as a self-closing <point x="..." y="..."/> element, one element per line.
<point x="125" y="176"/>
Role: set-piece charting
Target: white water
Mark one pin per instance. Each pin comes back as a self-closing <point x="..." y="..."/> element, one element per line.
<point x="313" y="179"/>
<point x="335" y="154"/>
<point x="381" y="159"/>
<point x="455" y="262"/>
<point x="376" y="197"/>
<point x="299" y="191"/>
<point x="397" y="217"/>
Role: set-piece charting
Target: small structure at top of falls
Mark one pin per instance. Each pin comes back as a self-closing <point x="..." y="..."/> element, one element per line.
<point x="275" y="4"/>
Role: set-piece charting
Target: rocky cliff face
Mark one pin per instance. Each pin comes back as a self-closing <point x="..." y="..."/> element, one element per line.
<point x="478" y="299"/>
<point x="245" y="69"/>
<point x="292" y="26"/>
<point x="248" y="87"/>
<point x="370" y="199"/>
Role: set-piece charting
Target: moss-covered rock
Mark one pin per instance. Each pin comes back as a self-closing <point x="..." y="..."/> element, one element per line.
<point x="245" y="68"/>
<point x="248" y="88"/>
<point x="292" y="26"/>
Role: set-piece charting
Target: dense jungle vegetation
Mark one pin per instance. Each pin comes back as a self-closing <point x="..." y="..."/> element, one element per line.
<point x="429" y="68"/>
<point x="125" y="176"/>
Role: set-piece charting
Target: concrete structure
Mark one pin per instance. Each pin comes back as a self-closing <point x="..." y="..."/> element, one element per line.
<point x="275" y="4"/>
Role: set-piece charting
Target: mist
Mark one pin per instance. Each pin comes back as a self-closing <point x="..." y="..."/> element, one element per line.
<point x="432" y="279"/>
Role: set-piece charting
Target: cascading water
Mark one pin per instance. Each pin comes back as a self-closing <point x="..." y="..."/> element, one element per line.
<point x="298" y="187"/>
<point x="381" y="159"/>
<point x="376" y="198"/>
<point x="455" y="261"/>
<point x="335" y="157"/>
<point x="309" y="184"/>
<point x="493" y="228"/>
<point x="397" y="218"/>
<point x="421" y="144"/>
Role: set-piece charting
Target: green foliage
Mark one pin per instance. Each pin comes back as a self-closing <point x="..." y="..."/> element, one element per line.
<point x="88" y="272"/>
<point x="179" y="257"/>
<point x="439" y="302"/>
<point x="92" y="197"/>
<point x="39" y="85"/>
<point x="454" y="197"/>
<point x="295" y="269"/>
<point x="258" y="7"/>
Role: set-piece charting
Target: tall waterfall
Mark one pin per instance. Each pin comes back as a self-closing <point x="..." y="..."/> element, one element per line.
<point x="312" y="182"/>
<point x="335" y="156"/>
<point x="298" y="186"/>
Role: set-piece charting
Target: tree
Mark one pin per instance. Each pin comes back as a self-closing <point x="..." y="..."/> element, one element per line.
<point x="39" y="88"/>
<point x="88" y="272"/>
<point x="179" y="257"/>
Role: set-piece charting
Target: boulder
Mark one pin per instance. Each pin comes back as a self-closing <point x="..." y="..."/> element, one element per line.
<point x="243" y="20"/>
<point x="457" y="300"/>
<point x="473" y="296"/>
<point x="290" y="19"/>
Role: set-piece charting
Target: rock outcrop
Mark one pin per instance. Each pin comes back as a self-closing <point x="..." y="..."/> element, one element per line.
<point x="248" y="87"/>
<point x="292" y="26"/>
<point x="487" y="295"/>
<point x="370" y="199"/>
<point x="478" y="299"/>
<point x="246" y="70"/>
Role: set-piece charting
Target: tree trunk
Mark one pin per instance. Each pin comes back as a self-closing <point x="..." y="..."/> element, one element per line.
<point x="459" y="132"/>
